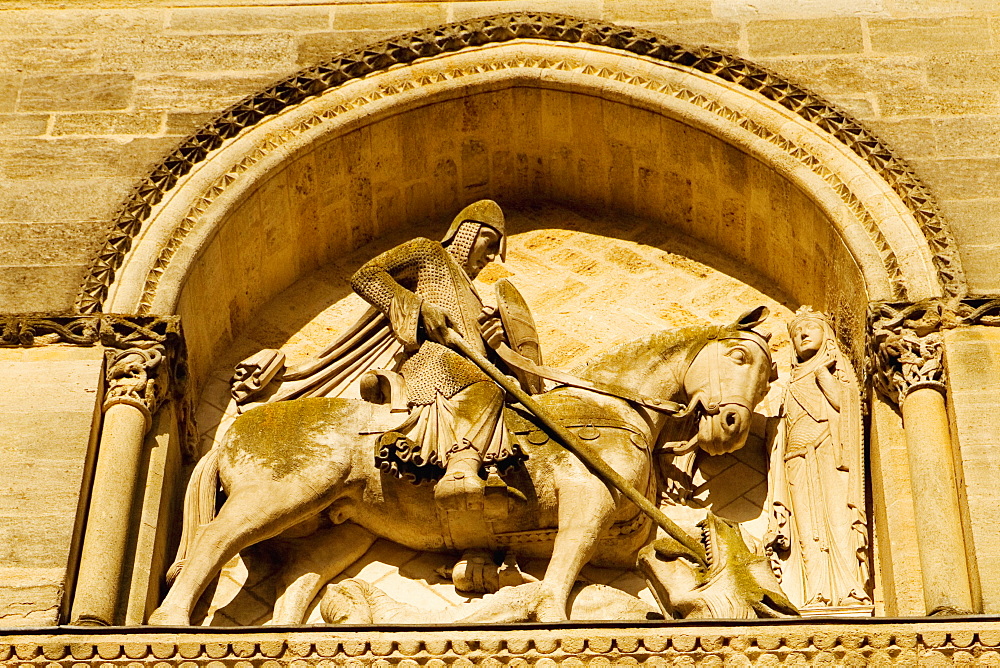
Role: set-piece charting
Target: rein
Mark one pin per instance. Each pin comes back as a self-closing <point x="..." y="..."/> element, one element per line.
<point x="673" y="408"/>
<point x="521" y="362"/>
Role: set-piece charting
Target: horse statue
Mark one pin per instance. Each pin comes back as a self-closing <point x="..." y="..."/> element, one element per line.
<point x="307" y="467"/>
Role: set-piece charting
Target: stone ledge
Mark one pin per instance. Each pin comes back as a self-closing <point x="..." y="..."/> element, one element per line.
<point x="842" y="642"/>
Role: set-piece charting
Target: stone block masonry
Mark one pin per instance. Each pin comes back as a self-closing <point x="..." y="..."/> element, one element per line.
<point x="48" y="407"/>
<point x="91" y="95"/>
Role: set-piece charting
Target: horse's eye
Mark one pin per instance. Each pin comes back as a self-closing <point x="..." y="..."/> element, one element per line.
<point x="739" y="355"/>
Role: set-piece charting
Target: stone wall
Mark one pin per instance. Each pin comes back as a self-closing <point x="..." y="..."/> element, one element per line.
<point x="91" y="97"/>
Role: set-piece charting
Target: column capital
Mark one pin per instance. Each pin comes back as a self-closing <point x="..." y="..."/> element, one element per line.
<point x="145" y="357"/>
<point x="906" y="346"/>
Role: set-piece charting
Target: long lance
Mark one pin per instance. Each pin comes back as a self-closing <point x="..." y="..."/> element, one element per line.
<point x="583" y="452"/>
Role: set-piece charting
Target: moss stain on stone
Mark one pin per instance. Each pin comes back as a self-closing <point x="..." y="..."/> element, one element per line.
<point x="284" y="436"/>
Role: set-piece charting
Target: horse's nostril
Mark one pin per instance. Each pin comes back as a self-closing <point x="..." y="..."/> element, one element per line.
<point x="731" y="418"/>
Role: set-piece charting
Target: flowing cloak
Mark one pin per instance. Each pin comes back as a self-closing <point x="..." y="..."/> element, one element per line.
<point x="826" y="446"/>
<point x="368" y="344"/>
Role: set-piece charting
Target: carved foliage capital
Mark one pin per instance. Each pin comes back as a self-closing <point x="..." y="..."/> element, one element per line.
<point x="144" y="361"/>
<point x="136" y="377"/>
<point x="907" y="347"/>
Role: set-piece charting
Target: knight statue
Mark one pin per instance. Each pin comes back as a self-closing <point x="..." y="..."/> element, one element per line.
<point x="453" y="429"/>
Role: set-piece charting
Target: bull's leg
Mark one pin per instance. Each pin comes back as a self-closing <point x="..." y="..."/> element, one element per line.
<point x="250" y="515"/>
<point x="329" y="552"/>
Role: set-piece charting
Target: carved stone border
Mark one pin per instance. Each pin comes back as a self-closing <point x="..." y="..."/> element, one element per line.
<point x="503" y="28"/>
<point x="859" y="643"/>
<point x="111" y="330"/>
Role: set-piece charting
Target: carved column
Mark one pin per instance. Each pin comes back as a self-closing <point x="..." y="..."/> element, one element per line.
<point x="909" y="369"/>
<point x="137" y="377"/>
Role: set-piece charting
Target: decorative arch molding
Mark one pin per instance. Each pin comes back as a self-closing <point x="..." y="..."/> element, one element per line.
<point x="885" y="216"/>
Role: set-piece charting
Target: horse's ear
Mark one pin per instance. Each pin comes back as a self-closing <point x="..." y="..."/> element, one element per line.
<point x="752" y="318"/>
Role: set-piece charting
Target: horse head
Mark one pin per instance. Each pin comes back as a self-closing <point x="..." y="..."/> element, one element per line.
<point x="727" y="377"/>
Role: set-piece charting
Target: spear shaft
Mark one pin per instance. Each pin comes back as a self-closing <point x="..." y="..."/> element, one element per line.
<point x="575" y="445"/>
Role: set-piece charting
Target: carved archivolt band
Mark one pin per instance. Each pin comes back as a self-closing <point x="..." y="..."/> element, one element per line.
<point x="453" y="38"/>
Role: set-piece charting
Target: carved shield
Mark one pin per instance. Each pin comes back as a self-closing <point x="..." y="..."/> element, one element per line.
<point x="520" y="329"/>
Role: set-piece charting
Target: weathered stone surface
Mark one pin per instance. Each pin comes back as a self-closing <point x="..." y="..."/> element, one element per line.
<point x="39" y="288"/>
<point x="78" y="158"/>
<point x="196" y="92"/>
<point x="657" y="10"/>
<point x="23" y="125"/>
<point x="217" y="20"/>
<point x="89" y="92"/>
<point x="197" y="53"/>
<point x="126" y="123"/>
<point x="70" y="199"/>
<point x="963" y="70"/>
<point x="819" y="36"/>
<point x="10" y="85"/>
<point x="45" y="55"/>
<point x="395" y="16"/>
<point x="53" y="243"/>
<point x="48" y="401"/>
<point x="921" y="35"/>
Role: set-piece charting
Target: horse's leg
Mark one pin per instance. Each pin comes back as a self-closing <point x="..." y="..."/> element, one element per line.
<point x="586" y="508"/>
<point x="327" y="553"/>
<point x="249" y="515"/>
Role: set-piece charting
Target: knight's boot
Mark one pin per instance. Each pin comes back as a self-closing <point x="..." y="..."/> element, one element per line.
<point x="461" y="488"/>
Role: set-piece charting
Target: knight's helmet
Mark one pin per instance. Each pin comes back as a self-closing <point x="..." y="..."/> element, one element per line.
<point x="485" y="212"/>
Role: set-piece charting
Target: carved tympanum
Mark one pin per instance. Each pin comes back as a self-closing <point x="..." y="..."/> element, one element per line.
<point x="499" y="475"/>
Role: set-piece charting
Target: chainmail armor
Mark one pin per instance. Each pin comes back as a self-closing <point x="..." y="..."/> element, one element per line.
<point x="424" y="268"/>
<point x="461" y="244"/>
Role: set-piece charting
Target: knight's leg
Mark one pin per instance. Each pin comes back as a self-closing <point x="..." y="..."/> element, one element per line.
<point x="248" y="517"/>
<point x="324" y="555"/>
<point x="476" y="410"/>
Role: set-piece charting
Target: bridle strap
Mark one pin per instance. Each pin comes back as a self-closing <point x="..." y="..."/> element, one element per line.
<point x="716" y="400"/>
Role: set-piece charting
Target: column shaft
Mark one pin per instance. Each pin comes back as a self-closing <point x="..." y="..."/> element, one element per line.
<point x="107" y="532"/>
<point x="940" y="540"/>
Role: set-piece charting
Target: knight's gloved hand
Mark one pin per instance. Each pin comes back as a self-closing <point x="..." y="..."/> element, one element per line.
<point x="492" y="330"/>
<point x="436" y="322"/>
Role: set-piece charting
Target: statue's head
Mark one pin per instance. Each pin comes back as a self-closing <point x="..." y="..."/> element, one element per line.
<point x="809" y="331"/>
<point x="476" y="236"/>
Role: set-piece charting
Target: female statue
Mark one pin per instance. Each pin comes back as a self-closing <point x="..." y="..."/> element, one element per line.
<point x="818" y="526"/>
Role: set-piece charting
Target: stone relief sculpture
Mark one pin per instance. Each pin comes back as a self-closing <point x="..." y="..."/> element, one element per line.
<point x="818" y="525"/>
<point x="565" y="475"/>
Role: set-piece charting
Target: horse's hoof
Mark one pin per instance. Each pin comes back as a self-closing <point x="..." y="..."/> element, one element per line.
<point x="167" y="617"/>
